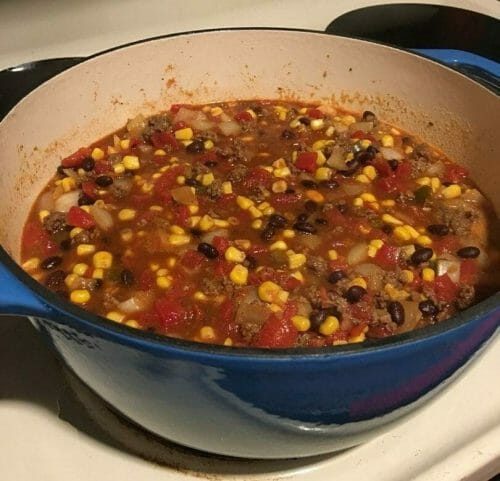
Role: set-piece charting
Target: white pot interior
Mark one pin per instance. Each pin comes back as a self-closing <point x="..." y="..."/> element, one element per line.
<point x="94" y="98"/>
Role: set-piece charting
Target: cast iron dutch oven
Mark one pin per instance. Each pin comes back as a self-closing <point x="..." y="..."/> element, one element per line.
<point x="232" y="401"/>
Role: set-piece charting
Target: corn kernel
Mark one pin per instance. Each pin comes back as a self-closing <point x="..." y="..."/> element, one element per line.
<point x="317" y="124"/>
<point x="126" y="214"/>
<point x="207" y="179"/>
<point x="296" y="260"/>
<point x="85" y="249"/>
<point x="208" y="144"/>
<point x="132" y="323"/>
<point x="161" y="272"/>
<point x="131" y="162"/>
<point x="412" y="231"/>
<point x="118" y="168"/>
<point x="435" y="184"/>
<point x="68" y="183"/>
<point x="388" y="203"/>
<point x="377" y="243"/>
<point x="452" y="191"/>
<point x="333" y="255"/>
<point x="179" y="239"/>
<point x="181" y="180"/>
<point x="359" y="338"/>
<point x="80" y="296"/>
<point x="330" y="325"/>
<point x="75" y="231"/>
<point x="279" y="186"/>
<point x="301" y="323"/>
<point x="160" y="152"/>
<point x="365" y="143"/>
<point x="163" y="282"/>
<point x="423" y="240"/>
<point x="315" y="196"/>
<point x="193" y="209"/>
<point x="234" y="255"/>
<point x="407" y="276"/>
<point x="362" y="178"/>
<point x="387" y="140"/>
<point x="288" y="234"/>
<point x="390" y="219"/>
<point x="227" y="187"/>
<point x="278" y="246"/>
<point x="298" y="275"/>
<point x="221" y="223"/>
<point x="200" y="296"/>
<point x="97" y="153"/>
<point x="112" y="150"/>
<point x="268" y="291"/>
<point x="244" y="202"/>
<point x="370" y="172"/>
<point x="207" y="333"/>
<point x="396" y="294"/>
<point x="228" y="341"/>
<point x="31" y="264"/>
<point x="428" y="274"/>
<point x="115" y="316"/>
<point x="401" y="233"/>
<point x="282" y="172"/>
<point x="126" y="235"/>
<point x="358" y="281"/>
<point x="102" y="260"/>
<point x="239" y="275"/>
<point x="423" y="181"/>
<point x="184" y="134"/>
<point x="171" y="261"/>
<point x="206" y="223"/>
<point x="329" y="131"/>
<point x="323" y="173"/>
<point x="154" y="266"/>
<point x="42" y="214"/>
<point x="176" y="229"/>
<point x="216" y="111"/>
<point x="368" y="197"/>
<point x="98" y="274"/>
<point x="408" y="150"/>
<point x="358" y="202"/>
<point x="125" y="144"/>
<point x="257" y="224"/>
<point x="372" y="251"/>
<point x="80" y="269"/>
<point x="348" y="119"/>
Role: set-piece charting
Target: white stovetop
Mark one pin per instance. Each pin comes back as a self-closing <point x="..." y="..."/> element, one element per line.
<point x="46" y="435"/>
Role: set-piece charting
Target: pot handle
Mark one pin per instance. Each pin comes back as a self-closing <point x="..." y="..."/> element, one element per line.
<point x="17" y="298"/>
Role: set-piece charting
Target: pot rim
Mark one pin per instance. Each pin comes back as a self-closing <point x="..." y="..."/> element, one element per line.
<point x="163" y="343"/>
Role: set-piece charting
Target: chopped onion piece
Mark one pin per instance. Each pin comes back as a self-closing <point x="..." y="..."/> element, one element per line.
<point x="436" y="169"/>
<point x="390" y="154"/>
<point x="450" y="267"/>
<point x="229" y="128"/>
<point x="357" y="254"/>
<point x="46" y="201"/>
<point x="136" y="125"/>
<point x="337" y="158"/>
<point x="64" y="202"/>
<point x="209" y="236"/>
<point x="363" y="126"/>
<point x="412" y="316"/>
<point x="184" y="195"/>
<point x="372" y="273"/>
<point x="195" y="118"/>
<point x="353" y="188"/>
<point x="140" y="301"/>
<point x="102" y="217"/>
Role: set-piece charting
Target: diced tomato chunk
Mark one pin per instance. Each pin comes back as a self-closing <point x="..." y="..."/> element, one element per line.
<point x="224" y="322"/>
<point x="258" y="177"/>
<point x="243" y="116"/>
<point x="315" y="114"/>
<point x="79" y="218"/>
<point x="455" y="173"/>
<point x="168" y="179"/>
<point x="174" y="108"/>
<point x="221" y="243"/>
<point x="282" y="200"/>
<point x="193" y="259"/>
<point x="103" y="167"/>
<point x="76" y="159"/>
<point x="37" y="240"/>
<point x="468" y="271"/>
<point x="387" y="256"/>
<point x="359" y="134"/>
<point x="358" y="329"/>
<point x="446" y="290"/>
<point x="179" y="125"/>
<point x="181" y="215"/>
<point x="164" y="139"/>
<point x="278" y="331"/>
<point x="172" y="314"/>
<point x="89" y="188"/>
<point x="306" y="161"/>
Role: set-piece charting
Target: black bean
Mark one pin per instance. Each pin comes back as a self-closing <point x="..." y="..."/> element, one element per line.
<point x="104" y="180"/>
<point x="428" y="308"/>
<point x="309" y="184"/>
<point x="288" y="134"/>
<point x="369" y="116"/>
<point x="60" y="171"/>
<point x="302" y="217"/>
<point x="321" y="221"/>
<point x="84" y="199"/>
<point x="196" y="232"/>
<point x="352" y="166"/>
<point x="342" y="207"/>
<point x="305" y="120"/>
<point x="329" y="184"/>
<point x="469" y="252"/>
<point x="55" y="280"/>
<point x="421" y="255"/>
<point x="211" y="163"/>
<point x="354" y="294"/>
<point x="96" y="284"/>
<point x="250" y="262"/>
<point x="51" y="262"/>
<point x="317" y="318"/>
<point x="310" y="206"/>
<point x="127" y="277"/>
<point x="393" y="164"/>
<point x="268" y="233"/>
<point x="192" y="182"/>
<point x="387" y="229"/>
<point x="65" y="244"/>
<point x="290" y="191"/>
<point x="333" y="311"/>
<point x="208" y="250"/>
<point x="438" y="229"/>
<point x="305" y="227"/>
<point x="195" y="147"/>
<point x="373" y="150"/>
<point x="277" y="220"/>
<point x="336" y="276"/>
<point x="88" y="164"/>
<point x="397" y="312"/>
<point x="364" y="157"/>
